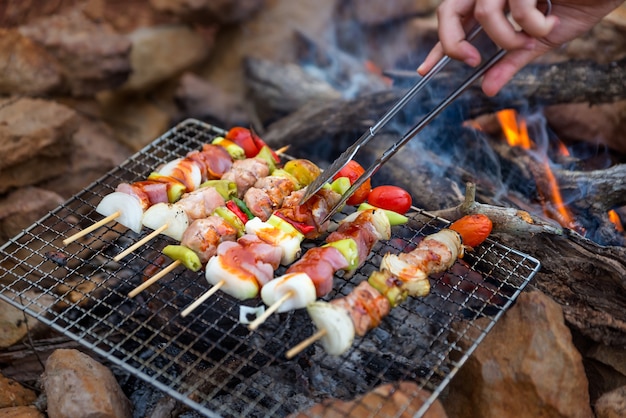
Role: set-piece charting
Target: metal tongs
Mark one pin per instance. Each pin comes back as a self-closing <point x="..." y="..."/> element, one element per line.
<point x="349" y="153"/>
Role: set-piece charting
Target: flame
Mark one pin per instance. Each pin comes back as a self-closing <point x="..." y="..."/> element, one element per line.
<point x="563" y="149"/>
<point x="562" y="215"/>
<point x="614" y="218"/>
<point x="373" y="68"/>
<point x="516" y="134"/>
<point x="473" y="124"/>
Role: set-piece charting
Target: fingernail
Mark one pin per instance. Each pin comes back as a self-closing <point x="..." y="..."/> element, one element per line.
<point x="471" y="61"/>
<point x="420" y="69"/>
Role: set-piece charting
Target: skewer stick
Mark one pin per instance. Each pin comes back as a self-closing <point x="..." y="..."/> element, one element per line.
<point x="270" y="310"/>
<point x="153" y="279"/>
<point x="139" y="243"/>
<point x="202" y="298"/>
<point x="282" y="150"/>
<point x="91" y="228"/>
<point x="305" y="343"/>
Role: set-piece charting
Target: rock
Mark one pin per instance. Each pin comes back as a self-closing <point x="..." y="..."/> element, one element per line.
<point x="19" y="209"/>
<point x="125" y="16"/>
<point x="92" y="56"/>
<point x="218" y="11"/>
<point x="13" y="394"/>
<point x="35" y="139"/>
<point x="95" y="151"/>
<point x="21" y="412"/>
<point x="202" y="100"/>
<point x="32" y="126"/>
<point x="15" y="325"/>
<point x="612" y="404"/>
<point x="28" y="69"/>
<point x="78" y="386"/>
<point x="601" y="124"/>
<point x="402" y="399"/>
<point x="161" y="52"/>
<point x="605" y="367"/>
<point x="279" y="89"/>
<point x="382" y="11"/>
<point x="527" y="366"/>
<point x="18" y="12"/>
<point x="268" y="34"/>
<point x="136" y="121"/>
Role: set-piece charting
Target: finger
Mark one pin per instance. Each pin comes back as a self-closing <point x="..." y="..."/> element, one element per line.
<point x="505" y="70"/>
<point x="490" y="14"/>
<point x="453" y="17"/>
<point x="530" y="19"/>
<point x="431" y="59"/>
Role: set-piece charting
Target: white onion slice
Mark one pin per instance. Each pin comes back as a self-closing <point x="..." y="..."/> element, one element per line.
<point x="336" y="321"/>
<point x="168" y="214"/>
<point x="128" y="206"/>
<point x="288" y="243"/>
<point x="196" y="173"/>
<point x="245" y="311"/>
<point x="381" y="224"/>
<point x="299" y="284"/>
<point x="235" y="282"/>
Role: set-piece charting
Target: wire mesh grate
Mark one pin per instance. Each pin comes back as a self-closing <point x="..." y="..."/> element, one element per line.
<point x="211" y="361"/>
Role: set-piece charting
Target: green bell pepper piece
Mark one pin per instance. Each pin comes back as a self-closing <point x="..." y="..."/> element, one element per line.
<point x="394" y="217"/>
<point x="183" y="254"/>
<point x="227" y="189"/>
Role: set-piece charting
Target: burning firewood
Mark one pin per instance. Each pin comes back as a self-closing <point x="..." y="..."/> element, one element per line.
<point x="506" y="220"/>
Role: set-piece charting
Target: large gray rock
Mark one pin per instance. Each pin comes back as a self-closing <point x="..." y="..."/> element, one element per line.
<point x="77" y="386"/>
<point x="24" y="206"/>
<point x="14" y="394"/>
<point x="218" y="11"/>
<point x="92" y="56"/>
<point x="401" y="400"/>
<point x="375" y="12"/>
<point x="161" y="52"/>
<point x="527" y="366"/>
<point x="612" y="404"/>
<point x="27" y="68"/>
<point x="35" y="139"/>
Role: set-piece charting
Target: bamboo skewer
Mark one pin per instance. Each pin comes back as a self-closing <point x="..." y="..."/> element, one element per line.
<point x="202" y="298"/>
<point x="153" y="279"/>
<point x="139" y="243"/>
<point x="269" y="311"/>
<point x="305" y="343"/>
<point x="91" y="228"/>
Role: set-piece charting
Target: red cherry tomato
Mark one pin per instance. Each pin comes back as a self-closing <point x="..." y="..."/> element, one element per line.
<point x="391" y="198"/>
<point x="259" y="143"/>
<point x="353" y="171"/>
<point x="243" y="138"/>
<point x="474" y="229"/>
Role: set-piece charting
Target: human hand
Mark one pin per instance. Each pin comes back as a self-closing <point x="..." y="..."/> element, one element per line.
<point x="539" y="33"/>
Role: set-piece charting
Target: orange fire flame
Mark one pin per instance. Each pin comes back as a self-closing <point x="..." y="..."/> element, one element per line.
<point x="516" y="134"/>
<point x="614" y="218"/>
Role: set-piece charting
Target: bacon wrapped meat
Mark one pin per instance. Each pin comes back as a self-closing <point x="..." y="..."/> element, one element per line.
<point x="167" y="185"/>
<point x="346" y="249"/>
<point x="399" y="276"/>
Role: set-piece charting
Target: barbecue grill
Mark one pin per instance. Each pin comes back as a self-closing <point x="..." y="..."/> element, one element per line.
<point x="209" y="360"/>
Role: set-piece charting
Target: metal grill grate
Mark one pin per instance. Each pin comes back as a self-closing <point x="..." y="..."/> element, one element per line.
<point x="209" y="360"/>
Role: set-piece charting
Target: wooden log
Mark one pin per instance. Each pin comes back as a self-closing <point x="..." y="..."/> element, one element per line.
<point x="278" y="89"/>
<point x="536" y="85"/>
<point x="587" y="279"/>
